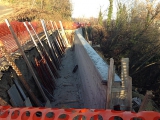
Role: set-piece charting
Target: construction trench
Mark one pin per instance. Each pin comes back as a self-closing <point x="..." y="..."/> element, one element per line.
<point x="57" y="74"/>
<point x="53" y="70"/>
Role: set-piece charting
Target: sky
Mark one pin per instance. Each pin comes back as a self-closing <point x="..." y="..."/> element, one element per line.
<point x="88" y="8"/>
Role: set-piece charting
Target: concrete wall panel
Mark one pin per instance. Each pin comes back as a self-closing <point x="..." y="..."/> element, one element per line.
<point x="94" y="93"/>
<point x="92" y="71"/>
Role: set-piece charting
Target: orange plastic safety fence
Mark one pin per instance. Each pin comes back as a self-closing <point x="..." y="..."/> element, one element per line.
<point x="31" y="113"/>
<point x="21" y="32"/>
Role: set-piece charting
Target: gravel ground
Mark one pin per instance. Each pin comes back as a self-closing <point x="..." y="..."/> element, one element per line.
<point x="68" y="91"/>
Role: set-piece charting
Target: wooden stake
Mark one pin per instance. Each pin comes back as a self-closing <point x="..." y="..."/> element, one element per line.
<point x="145" y="100"/>
<point x="109" y="83"/>
<point x="129" y="92"/>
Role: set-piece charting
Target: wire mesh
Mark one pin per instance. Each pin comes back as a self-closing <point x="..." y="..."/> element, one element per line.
<point x="20" y="31"/>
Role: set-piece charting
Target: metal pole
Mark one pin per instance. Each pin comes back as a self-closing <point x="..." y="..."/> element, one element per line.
<point x="62" y="41"/>
<point x="52" y="25"/>
<point x="44" y="49"/>
<point x="26" y="60"/>
<point x="40" y="52"/>
<point x="55" y="37"/>
<point x="58" y="30"/>
<point x="49" y="43"/>
<point x="63" y="32"/>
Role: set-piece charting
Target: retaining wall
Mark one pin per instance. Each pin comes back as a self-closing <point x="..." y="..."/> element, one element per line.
<point x="92" y="71"/>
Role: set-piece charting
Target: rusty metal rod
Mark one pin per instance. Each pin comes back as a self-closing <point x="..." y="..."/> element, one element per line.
<point x="26" y="60"/>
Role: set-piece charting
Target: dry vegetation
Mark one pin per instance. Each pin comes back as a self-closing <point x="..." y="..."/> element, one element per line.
<point x="39" y="9"/>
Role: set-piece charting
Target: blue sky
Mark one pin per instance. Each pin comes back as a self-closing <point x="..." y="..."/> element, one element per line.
<point x="88" y="8"/>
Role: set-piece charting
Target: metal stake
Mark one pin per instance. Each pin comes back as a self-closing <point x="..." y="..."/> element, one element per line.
<point x="55" y="37"/>
<point x="63" y="32"/>
<point x="44" y="49"/>
<point x="49" y="43"/>
<point x="39" y="51"/>
<point x="26" y="60"/>
<point x="61" y="39"/>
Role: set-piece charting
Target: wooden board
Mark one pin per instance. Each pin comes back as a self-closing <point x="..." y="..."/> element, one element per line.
<point x="109" y="83"/>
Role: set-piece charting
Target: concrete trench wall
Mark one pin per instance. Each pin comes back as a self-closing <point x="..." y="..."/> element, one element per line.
<point x="93" y="92"/>
<point x="92" y="71"/>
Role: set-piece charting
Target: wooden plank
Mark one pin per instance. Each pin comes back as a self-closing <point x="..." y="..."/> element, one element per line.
<point x="27" y="102"/>
<point x="109" y="83"/>
<point x="15" y="96"/>
<point x="129" y="93"/>
<point x="117" y="89"/>
<point x="124" y="77"/>
<point x="115" y="92"/>
<point x="124" y="71"/>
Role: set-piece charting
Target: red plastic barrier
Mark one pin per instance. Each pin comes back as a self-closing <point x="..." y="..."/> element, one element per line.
<point x="31" y="113"/>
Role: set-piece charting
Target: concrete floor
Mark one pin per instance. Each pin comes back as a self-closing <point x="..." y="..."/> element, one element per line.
<point x="68" y="91"/>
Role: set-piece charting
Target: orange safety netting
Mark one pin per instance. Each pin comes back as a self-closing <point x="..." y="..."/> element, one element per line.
<point x="32" y="113"/>
<point x="20" y="31"/>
